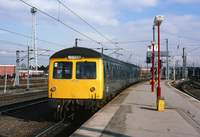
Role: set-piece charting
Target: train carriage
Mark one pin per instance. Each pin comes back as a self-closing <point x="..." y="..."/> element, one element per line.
<point x="81" y="76"/>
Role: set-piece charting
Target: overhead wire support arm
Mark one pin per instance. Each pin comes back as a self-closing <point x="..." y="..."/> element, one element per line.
<point x="43" y="53"/>
<point x="40" y="54"/>
<point x="118" y="54"/>
<point x="116" y="51"/>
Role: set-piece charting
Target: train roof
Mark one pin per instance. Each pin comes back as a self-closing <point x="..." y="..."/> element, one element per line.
<point x="79" y="51"/>
<point x="86" y="53"/>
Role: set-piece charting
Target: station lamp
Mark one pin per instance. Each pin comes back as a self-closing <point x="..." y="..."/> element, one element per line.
<point x="153" y="42"/>
<point x="157" y="22"/>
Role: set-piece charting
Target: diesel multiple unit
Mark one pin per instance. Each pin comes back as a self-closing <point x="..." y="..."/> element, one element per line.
<point x="84" y="78"/>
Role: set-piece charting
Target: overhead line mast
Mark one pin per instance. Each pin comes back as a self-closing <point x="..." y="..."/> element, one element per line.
<point x="33" y="41"/>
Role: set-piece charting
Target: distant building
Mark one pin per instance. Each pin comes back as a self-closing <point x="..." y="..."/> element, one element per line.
<point x="9" y="69"/>
<point x="145" y="70"/>
<point x="145" y="73"/>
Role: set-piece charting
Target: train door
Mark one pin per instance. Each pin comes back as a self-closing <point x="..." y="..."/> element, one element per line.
<point x="106" y="77"/>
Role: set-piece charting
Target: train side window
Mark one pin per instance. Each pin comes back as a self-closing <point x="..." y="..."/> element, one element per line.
<point x="104" y="71"/>
<point x="107" y="66"/>
<point x="107" y="71"/>
<point x="115" y="72"/>
<point x="124" y="72"/>
<point x="62" y="70"/>
<point x="120" y="72"/>
<point x="86" y="70"/>
<point x="111" y="72"/>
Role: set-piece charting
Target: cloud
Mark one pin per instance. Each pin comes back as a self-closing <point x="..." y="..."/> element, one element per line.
<point x="137" y="5"/>
<point x="95" y="12"/>
<point x="2" y="32"/>
<point x="183" y="1"/>
<point x="12" y="10"/>
<point x="183" y="30"/>
<point x="182" y="25"/>
<point x="3" y="52"/>
<point x="133" y="37"/>
<point x="135" y="30"/>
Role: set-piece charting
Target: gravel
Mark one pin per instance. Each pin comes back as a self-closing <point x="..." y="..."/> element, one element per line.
<point x="26" y="122"/>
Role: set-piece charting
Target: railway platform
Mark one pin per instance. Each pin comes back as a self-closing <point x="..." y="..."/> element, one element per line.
<point x="134" y="113"/>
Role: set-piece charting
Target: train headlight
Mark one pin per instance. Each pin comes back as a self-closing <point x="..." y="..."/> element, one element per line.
<point x="53" y="89"/>
<point x="92" y="89"/>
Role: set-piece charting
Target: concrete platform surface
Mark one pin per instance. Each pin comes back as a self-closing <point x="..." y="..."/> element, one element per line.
<point x="134" y="114"/>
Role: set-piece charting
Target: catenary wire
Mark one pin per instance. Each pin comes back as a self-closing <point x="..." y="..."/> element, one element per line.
<point x="87" y="23"/>
<point x="64" y="24"/>
<point x="31" y="37"/>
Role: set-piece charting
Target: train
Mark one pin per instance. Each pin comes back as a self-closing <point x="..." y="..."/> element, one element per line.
<point x="82" y="78"/>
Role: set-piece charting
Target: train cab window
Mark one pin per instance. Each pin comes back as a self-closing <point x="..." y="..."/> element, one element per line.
<point x="86" y="70"/>
<point x="62" y="70"/>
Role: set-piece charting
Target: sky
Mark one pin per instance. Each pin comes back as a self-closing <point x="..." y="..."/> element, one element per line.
<point x="123" y="27"/>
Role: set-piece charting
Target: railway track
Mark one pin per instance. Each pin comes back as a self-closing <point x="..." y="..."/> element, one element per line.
<point x="66" y="127"/>
<point x="70" y="122"/>
<point x="58" y="127"/>
<point x="191" y="87"/>
<point x="22" y="104"/>
<point x="185" y="90"/>
<point x="51" y="129"/>
<point x="23" y="94"/>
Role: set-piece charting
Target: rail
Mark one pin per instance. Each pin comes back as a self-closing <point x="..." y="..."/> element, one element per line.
<point x="187" y="92"/>
<point x="22" y="104"/>
<point x="45" y="132"/>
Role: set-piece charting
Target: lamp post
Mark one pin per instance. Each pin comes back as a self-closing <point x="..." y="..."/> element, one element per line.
<point x="157" y="22"/>
<point x="153" y="43"/>
<point x="156" y="70"/>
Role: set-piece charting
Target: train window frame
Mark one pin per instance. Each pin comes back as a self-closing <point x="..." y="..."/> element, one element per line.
<point x="89" y="73"/>
<point x="64" y="72"/>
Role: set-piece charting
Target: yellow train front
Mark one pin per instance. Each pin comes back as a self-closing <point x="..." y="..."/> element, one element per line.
<point x="81" y="78"/>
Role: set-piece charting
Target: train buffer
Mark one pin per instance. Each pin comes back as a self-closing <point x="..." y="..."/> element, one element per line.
<point x="134" y="114"/>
